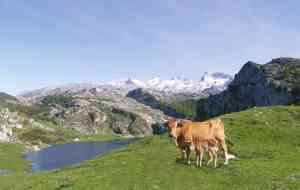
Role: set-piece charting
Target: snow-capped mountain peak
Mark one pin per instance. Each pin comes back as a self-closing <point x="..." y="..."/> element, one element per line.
<point x="154" y="81"/>
<point x="177" y="86"/>
<point x="130" y="82"/>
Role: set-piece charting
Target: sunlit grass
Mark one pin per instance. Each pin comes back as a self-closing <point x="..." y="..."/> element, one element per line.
<point x="266" y="141"/>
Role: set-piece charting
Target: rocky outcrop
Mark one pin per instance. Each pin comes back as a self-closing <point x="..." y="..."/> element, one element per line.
<point x="129" y="123"/>
<point x="9" y="121"/>
<point x="109" y="114"/>
<point x="275" y="83"/>
<point x="103" y="116"/>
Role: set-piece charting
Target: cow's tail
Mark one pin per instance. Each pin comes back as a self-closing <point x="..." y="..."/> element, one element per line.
<point x="223" y="140"/>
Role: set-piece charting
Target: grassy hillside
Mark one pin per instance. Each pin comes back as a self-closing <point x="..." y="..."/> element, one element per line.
<point x="4" y="97"/>
<point x="54" y="134"/>
<point x="266" y="140"/>
<point x="186" y="108"/>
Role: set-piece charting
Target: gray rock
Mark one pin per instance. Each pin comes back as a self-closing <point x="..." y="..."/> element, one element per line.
<point x="103" y="116"/>
<point x="8" y="121"/>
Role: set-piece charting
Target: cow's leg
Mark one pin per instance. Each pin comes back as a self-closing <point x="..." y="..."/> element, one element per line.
<point x="224" y="147"/>
<point x="176" y="143"/>
<point x="183" y="154"/>
<point x="201" y="157"/>
<point x="197" y="159"/>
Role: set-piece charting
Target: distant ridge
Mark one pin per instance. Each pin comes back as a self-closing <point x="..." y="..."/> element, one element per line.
<point x="7" y="97"/>
<point x="167" y="90"/>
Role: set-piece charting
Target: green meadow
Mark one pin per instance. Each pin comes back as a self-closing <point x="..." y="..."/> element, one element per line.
<point x="265" y="140"/>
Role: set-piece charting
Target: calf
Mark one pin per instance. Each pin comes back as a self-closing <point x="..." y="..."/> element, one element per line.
<point x="202" y="146"/>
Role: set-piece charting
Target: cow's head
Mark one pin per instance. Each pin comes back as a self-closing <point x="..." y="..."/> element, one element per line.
<point x="172" y="125"/>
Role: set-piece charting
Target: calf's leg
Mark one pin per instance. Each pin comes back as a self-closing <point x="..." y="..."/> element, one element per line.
<point x="216" y="158"/>
<point x="210" y="158"/>
<point x="201" y="157"/>
<point x="188" y="152"/>
<point x="197" y="159"/>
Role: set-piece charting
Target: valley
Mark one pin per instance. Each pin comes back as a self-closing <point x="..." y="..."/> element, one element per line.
<point x="149" y="95"/>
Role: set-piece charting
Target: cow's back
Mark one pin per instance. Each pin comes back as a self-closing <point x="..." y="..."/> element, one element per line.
<point x="205" y="130"/>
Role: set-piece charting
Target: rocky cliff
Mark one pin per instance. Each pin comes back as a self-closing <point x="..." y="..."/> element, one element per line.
<point x="8" y="122"/>
<point x="67" y="113"/>
<point x="274" y="83"/>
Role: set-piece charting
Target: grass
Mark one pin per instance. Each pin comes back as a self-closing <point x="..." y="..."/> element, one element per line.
<point x="35" y="136"/>
<point x="101" y="137"/>
<point x="48" y="134"/>
<point x="266" y="140"/>
<point x="57" y="135"/>
<point x="11" y="157"/>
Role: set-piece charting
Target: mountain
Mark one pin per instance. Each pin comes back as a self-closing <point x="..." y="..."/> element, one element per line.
<point x="128" y="107"/>
<point x="274" y="83"/>
<point x="4" y="97"/>
<point x="177" y="88"/>
<point x="57" y="118"/>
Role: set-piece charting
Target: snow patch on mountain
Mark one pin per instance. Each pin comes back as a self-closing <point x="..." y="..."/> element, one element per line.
<point x="174" y="87"/>
<point x="177" y="84"/>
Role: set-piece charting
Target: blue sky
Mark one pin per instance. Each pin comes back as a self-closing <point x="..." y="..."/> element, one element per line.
<point x="54" y="42"/>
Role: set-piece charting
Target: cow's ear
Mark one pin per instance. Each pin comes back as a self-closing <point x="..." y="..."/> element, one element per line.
<point x="179" y="124"/>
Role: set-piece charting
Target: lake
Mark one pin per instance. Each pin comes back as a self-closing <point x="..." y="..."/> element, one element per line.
<point x="61" y="155"/>
<point x="4" y="171"/>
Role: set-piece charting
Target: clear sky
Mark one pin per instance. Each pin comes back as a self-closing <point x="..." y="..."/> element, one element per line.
<point x="50" y="42"/>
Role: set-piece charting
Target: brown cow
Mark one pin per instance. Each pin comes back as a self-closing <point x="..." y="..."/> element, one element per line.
<point x="179" y="140"/>
<point x="176" y="133"/>
<point x="212" y="129"/>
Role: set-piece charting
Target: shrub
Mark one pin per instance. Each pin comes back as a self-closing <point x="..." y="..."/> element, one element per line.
<point x="64" y="101"/>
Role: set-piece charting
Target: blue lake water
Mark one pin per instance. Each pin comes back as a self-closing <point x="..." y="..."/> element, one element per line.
<point x="4" y="171"/>
<point x="62" y="155"/>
